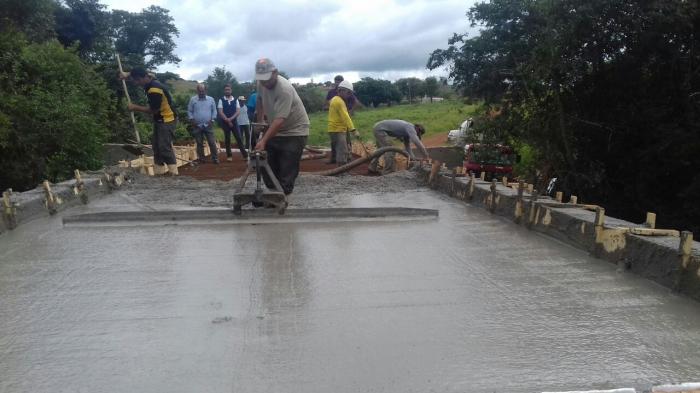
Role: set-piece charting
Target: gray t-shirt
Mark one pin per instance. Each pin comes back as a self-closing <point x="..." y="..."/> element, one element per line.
<point x="283" y="101"/>
<point x="405" y="131"/>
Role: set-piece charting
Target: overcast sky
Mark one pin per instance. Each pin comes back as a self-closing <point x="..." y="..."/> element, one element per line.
<point x="317" y="39"/>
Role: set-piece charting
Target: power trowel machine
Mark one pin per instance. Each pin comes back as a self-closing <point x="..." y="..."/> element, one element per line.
<point x="261" y="196"/>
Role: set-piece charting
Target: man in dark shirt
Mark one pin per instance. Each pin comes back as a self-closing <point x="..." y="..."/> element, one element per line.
<point x="160" y="105"/>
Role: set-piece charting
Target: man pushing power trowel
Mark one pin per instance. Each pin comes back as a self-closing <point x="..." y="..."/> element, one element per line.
<point x="284" y="139"/>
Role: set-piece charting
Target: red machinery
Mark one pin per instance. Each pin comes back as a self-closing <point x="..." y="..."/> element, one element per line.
<point x="495" y="160"/>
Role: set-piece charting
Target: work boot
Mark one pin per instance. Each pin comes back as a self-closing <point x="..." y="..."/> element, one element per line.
<point x="172" y="168"/>
<point x="158" y="169"/>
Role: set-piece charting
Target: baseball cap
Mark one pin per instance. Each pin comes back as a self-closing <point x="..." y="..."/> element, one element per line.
<point x="241" y="98"/>
<point x="263" y="69"/>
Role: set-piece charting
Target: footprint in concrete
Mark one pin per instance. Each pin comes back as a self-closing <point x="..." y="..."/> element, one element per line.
<point x="221" y="319"/>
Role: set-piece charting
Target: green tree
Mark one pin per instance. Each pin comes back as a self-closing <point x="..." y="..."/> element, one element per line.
<point x="220" y="77"/>
<point x="312" y="96"/>
<point x="32" y="17"/>
<point x="431" y="87"/>
<point x="410" y="88"/>
<point x="605" y="91"/>
<point x="145" y="38"/>
<point x="53" y="116"/>
<point x="87" y="24"/>
<point x="376" y="91"/>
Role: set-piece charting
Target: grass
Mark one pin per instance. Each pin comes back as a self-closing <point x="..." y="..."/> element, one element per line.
<point x="183" y="87"/>
<point x="436" y="117"/>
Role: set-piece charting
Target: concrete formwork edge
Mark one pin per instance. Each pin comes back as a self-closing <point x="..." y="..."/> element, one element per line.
<point x="47" y="199"/>
<point x="658" y="258"/>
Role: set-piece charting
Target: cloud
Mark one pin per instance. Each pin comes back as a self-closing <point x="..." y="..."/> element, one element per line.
<point x="312" y="39"/>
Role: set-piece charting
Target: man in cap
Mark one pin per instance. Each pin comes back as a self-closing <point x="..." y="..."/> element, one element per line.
<point x="288" y="128"/>
<point x="340" y="124"/>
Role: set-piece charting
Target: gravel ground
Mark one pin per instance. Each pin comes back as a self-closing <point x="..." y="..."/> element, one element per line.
<point x="310" y="190"/>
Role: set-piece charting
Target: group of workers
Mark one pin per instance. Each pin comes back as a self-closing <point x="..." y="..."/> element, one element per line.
<point x="276" y="102"/>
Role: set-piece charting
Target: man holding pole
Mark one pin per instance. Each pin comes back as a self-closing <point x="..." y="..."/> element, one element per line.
<point x="160" y="106"/>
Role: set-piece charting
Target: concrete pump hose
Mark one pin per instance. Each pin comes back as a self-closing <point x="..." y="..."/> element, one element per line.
<point x="352" y="164"/>
<point x="314" y="149"/>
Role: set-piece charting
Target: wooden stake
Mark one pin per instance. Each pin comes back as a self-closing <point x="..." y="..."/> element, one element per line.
<point x="9" y="209"/>
<point x="685" y="247"/>
<point x="519" y="202"/>
<point x="599" y="217"/>
<point x="483" y="176"/>
<point x="559" y="196"/>
<point x="434" y="171"/>
<point x="471" y="185"/>
<point x="50" y="198"/>
<point x="79" y="187"/>
<point x="533" y="205"/>
<point x="573" y="200"/>
<point x="128" y="100"/>
<point x="651" y="220"/>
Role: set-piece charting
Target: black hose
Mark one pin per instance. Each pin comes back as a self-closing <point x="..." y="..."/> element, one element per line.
<point x="352" y="164"/>
<point x="314" y="149"/>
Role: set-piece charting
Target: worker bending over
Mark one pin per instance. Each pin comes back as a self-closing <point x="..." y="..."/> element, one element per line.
<point x="402" y="130"/>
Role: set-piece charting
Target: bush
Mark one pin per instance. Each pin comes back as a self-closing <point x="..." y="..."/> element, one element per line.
<point x="53" y="116"/>
<point x="313" y="97"/>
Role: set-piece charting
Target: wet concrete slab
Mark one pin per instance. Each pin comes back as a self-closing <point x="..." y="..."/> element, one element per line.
<point x="462" y="303"/>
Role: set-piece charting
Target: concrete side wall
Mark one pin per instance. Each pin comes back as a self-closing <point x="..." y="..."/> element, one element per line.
<point x="655" y="258"/>
<point x="26" y="206"/>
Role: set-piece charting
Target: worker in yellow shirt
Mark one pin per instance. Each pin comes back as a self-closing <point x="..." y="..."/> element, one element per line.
<point x="340" y="124"/>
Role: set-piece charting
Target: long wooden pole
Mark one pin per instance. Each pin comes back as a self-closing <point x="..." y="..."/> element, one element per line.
<point x="128" y="99"/>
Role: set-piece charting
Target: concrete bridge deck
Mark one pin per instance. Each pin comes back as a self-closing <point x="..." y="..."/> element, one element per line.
<point x="467" y="302"/>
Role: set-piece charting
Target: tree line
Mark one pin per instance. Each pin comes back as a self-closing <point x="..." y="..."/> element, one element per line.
<point x="371" y="92"/>
<point x="602" y="94"/>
